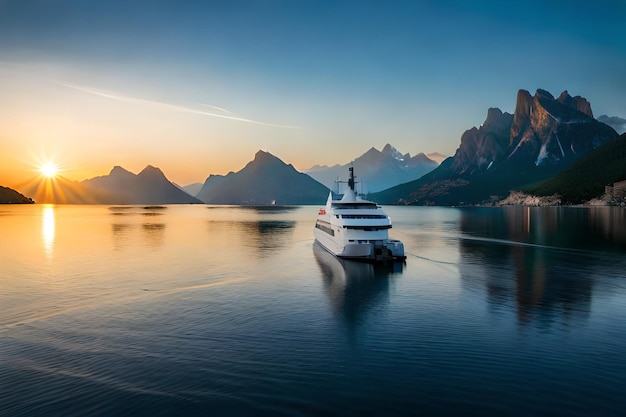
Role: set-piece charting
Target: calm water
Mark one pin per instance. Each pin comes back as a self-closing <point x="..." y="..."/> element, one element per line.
<point x="195" y="310"/>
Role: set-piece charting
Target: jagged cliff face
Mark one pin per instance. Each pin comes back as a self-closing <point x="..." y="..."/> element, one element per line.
<point x="532" y="125"/>
<point x="578" y="103"/>
<point x="546" y="130"/>
<point x="543" y="130"/>
<point x="481" y="147"/>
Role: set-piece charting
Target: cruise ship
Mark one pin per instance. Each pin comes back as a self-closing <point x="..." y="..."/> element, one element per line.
<point x="353" y="228"/>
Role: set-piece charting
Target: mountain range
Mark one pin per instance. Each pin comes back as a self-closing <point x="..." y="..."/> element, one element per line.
<point x="150" y="186"/>
<point x="543" y="137"/>
<point x="263" y="181"/>
<point x="120" y="186"/>
<point x="377" y="170"/>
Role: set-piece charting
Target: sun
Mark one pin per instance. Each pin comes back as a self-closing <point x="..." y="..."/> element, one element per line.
<point x="49" y="170"/>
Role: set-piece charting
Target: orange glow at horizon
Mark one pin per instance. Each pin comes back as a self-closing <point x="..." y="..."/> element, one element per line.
<point x="47" y="186"/>
<point x="48" y="191"/>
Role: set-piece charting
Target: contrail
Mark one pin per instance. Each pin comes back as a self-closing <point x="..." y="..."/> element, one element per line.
<point x="224" y="114"/>
<point x="221" y="109"/>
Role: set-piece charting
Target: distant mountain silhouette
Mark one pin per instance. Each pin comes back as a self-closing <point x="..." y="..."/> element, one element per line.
<point x="118" y="187"/>
<point x="10" y="196"/>
<point x="191" y="189"/>
<point x="150" y="186"/>
<point x="207" y="191"/>
<point x="437" y="157"/>
<point x="377" y="170"/>
<point x="263" y="181"/>
<point x="541" y="139"/>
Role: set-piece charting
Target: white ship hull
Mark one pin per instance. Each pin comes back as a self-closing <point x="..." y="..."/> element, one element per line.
<point x="388" y="249"/>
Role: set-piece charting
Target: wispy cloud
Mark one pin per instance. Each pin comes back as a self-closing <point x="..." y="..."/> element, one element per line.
<point x="215" y="111"/>
<point x="617" y="123"/>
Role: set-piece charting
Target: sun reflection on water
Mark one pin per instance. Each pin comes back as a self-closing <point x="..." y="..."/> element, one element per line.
<point x="48" y="230"/>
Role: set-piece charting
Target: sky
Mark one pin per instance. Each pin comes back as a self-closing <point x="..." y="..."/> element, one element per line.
<point x="198" y="87"/>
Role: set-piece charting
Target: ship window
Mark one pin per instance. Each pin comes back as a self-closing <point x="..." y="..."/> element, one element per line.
<point x="363" y="216"/>
<point x="325" y="227"/>
<point x="352" y="206"/>
<point x="369" y="229"/>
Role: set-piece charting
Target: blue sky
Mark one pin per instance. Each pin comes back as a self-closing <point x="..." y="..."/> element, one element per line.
<point x="198" y="87"/>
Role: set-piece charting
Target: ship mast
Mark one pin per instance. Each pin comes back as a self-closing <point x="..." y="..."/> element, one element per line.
<point x="351" y="181"/>
<point x="351" y="184"/>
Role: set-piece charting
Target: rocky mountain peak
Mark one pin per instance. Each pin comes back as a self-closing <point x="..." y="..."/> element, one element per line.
<point x="565" y="98"/>
<point x="153" y="172"/>
<point x="263" y="157"/>
<point x="265" y="180"/>
<point x="150" y="169"/>
<point x="394" y="153"/>
<point x="578" y="103"/>
<point x="497" y="121"/>
<point x="493" y="113"/>
<point x="372" y="152"/>
<point x="118" y="170"/>
<point x="481" y="147"/>
<point x="544" y="94"/>
<point x="549" y="130"/>
<point x="521" y="116"/>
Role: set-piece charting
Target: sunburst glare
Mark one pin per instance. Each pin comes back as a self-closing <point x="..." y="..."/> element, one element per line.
<point x="48" y="184"/>
<point x="49" y="169"/>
